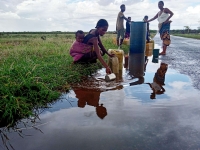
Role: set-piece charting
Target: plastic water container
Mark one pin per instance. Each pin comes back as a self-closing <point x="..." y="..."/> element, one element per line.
<point x="149" y="49"/>
<point x="156" y="52"/>
<point x="119" y="54"/>
<point x="115" y="41"/>
<point x="138" y="37"/>
<point x="126" y="42"/>
<point x="155" y="59"/>
<point x="110" y="77"/>
<point x="114" y="64"/>
<point x="153" y="43"/>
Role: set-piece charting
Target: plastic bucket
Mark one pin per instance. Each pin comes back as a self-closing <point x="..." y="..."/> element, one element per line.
<point x="156" y="52"/>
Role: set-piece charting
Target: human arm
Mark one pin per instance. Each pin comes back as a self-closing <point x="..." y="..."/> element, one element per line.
<point x="121" y="15"/>
<point x="103" y="48"/>
<point x="166" y="10"/>
<point x="97" y="50"/>
<point x="126" y="18"/>
<point x="156" y="16"/>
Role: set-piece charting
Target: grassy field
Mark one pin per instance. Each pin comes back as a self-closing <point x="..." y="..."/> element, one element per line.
<point x="193" y="36"/>
<point x="35" y="71"/>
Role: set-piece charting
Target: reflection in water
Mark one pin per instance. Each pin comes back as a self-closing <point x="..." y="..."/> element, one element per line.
<point x="139" y="81"/>
<point x="91" y="96"/>
<point x="136" y="64"/>
<point x="158" y="81"/>
<point x="137" y="68"/>
<point x="154" y="59"/>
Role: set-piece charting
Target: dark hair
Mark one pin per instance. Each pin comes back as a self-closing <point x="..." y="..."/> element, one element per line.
<point x="129" y="17"/>
<point x="122" y="5"/>
<point x="101" y="23"/>
<point x="161" y="2"/>
<point x="79" y="31"/>
<point x="145" y="17"/>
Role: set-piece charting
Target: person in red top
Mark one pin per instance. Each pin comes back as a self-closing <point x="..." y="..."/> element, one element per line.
<point x="91" y="47"/>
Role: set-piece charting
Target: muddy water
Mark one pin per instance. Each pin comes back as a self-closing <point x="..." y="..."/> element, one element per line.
<point x="98" y="115"/>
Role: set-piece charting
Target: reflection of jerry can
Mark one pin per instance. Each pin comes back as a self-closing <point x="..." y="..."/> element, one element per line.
<point x="156" y="52"/>
<point x="155" y="59"/>
<point x="153" y="43"/>
<point x="119" y="54"/>
<point x="148" y="51"/>
<point x="149" y="48"/>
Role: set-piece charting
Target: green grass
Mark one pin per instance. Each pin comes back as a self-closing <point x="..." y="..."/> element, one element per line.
<point x="34" y="72"/>
<point x="193" y="36"/>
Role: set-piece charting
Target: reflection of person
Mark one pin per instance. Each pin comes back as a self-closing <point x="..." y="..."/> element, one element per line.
<point x="101" y="111"/>
<point x="90" y="97"/>
<point x="164" y="25"/>
<point x="120" y="25"/>
<point x="89" y="50"/>
<point x="128" y="28"/>
<point x="147" y="40"/>
<point x="87" y="96"/>
<point x="158" y="81"/>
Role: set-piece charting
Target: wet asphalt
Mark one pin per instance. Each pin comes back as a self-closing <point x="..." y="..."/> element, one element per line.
<point x="183" y="55"/>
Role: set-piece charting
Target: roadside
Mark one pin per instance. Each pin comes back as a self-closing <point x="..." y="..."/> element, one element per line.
<point x="183" y="55"/>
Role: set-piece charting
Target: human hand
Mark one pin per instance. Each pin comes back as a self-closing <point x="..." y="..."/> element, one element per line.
<point x="108" y="70"/>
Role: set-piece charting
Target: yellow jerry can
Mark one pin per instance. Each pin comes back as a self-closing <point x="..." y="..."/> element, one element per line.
<point x="115" y="41"/>
<point x="126" y="42"/>
<point x="149" y="49"/>
<point x="119" y="54"/>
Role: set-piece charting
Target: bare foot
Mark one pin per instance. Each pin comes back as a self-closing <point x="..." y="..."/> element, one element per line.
<point x="162" y="53"/>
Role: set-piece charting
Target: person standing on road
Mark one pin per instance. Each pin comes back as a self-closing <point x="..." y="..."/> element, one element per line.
<point x="164" y="25"/>
<point x="120" y="25"/>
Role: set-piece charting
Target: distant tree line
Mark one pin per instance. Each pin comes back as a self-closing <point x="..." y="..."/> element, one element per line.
<point x="178" y="31"/>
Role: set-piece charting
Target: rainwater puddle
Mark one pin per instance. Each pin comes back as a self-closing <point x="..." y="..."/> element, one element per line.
<point x="120" y="115"/>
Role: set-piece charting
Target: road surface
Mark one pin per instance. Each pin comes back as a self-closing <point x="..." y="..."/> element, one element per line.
<point x="183" y="55"/>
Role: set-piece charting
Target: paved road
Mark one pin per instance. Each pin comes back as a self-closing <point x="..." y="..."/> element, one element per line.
<point x="183" y="55"/>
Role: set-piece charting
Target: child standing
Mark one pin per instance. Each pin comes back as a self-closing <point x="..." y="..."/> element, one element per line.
<point x="148" y="33"/>
<point x="128" y="28"/>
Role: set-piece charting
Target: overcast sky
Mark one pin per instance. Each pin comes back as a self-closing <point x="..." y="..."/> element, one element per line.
<point x="72" y="15"/>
